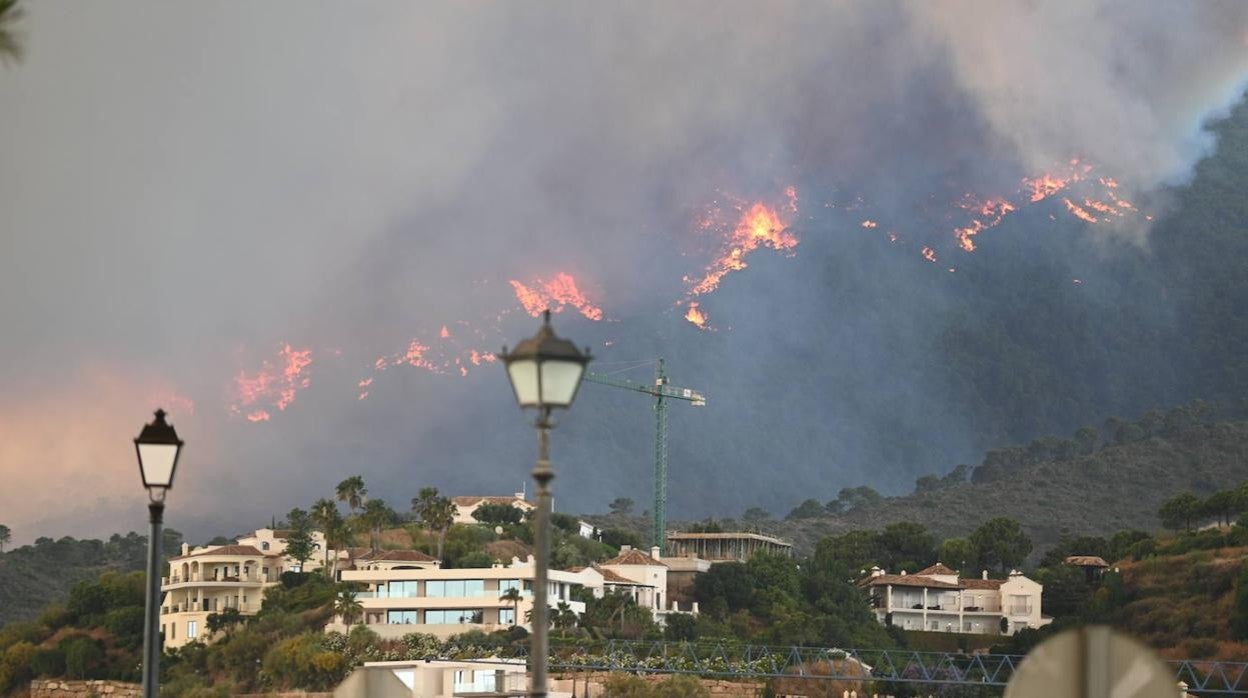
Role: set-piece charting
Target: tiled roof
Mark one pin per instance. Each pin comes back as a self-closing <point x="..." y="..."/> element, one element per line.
<point x="634" y="557"/>
<point x="1086" y="561"/>
<point x="615" y="578"/>
<point x="938" y="568"/>
<point x="909" y="580"/>
<point x="397" y="556"/>
<point x="243" y="550"/>
<point x="982" y="583"/>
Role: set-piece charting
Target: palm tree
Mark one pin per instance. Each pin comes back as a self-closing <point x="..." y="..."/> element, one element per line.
<point x="374" y="516"/>
<point x="325" y="514"/>
<point x="10" y="47"/>
<point x="564" y="617"/>
<point x="353" y="492"/>
<point x="513" y="595"/>
<point x="348" y="606"/>
<point x="436" y="513"/>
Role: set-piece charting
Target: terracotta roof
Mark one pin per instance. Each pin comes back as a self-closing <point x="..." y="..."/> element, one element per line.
<point x="397" y="556"/>
<point x="982" y="583"/>
<point x="245" y="550"/>
<point x="615" y="578"/>
<point x="469" y="501"/>
<point x="1086" y="561"/>
<point x="634" y="557"/>
<point x="910" y="580"/>
<point x="938" y="568"/>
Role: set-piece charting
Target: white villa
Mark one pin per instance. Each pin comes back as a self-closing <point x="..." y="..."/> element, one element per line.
<point x="936" y="599"/>
<point x="407" y="592"/>
<point x="211" y="579"/>
<point x="465" y="506"/>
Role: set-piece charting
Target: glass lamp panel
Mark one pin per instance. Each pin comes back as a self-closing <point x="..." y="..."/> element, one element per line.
<point x="523" y="374"/>
<point x="157" y="461"/>
<point x="559" y="382"/>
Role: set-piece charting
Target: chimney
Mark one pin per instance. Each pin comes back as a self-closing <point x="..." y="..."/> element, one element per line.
<point x="876" y="571"/>
<point x="903" y="573"/>
<point x="186" y="548"/>
<point x="654" y="552"/>
<point x="695" y="608"/>
<point x="1015" y="573"/>
<point x="625" y="548"/>
<point x="985" y="574"/>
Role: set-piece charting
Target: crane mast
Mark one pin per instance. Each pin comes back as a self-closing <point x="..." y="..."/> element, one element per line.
<point x="661" y="391"/>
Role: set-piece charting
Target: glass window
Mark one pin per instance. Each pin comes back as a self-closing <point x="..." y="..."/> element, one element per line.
<point x="506" y="616"/>
<point x="401" y="617"/>
<point x="505" y="584"/>
<point x="474" y="587"/>
<point x="192" y="629"/>
<point x="435" y="589"/>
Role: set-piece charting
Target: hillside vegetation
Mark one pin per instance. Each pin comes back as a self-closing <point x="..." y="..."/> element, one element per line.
<point x="1052" y="486"/>
<point x="33" y="576"/>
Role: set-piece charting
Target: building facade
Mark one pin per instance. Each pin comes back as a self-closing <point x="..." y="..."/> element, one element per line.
<point x="725" y="547"/>
<point x="412" y="596"/>
<point x="214" y="579"/>
<point x="465" y="506"/>
<point x="936" y="599"/>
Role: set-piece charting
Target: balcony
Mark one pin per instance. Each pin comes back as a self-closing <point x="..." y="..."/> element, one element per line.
<point x="1020" y="610"/>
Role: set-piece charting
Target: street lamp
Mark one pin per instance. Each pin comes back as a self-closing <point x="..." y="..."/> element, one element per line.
<point x="545" y="372"/>
<point x="157" y="447"/>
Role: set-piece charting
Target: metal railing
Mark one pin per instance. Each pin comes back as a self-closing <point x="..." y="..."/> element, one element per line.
<point x="877" y="666"/>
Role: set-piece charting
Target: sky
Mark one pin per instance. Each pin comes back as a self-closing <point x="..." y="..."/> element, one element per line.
<point x="264" y="217"/>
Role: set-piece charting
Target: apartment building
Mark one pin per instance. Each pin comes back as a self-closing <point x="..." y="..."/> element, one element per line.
<point x="212" y="579"/>
<point x="937" y="599"/>
<point x="725" y="547"/>
<point x="420" y="596"/>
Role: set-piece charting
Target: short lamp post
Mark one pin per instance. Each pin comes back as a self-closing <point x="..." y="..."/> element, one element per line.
<point x="545" y="373"/>
<point x="158" y="447"/>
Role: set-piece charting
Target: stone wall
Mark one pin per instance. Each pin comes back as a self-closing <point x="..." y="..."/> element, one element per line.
<point x="60" y="688"/>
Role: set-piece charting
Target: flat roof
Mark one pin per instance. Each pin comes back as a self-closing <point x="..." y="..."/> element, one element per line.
<point x="685" y="535"/>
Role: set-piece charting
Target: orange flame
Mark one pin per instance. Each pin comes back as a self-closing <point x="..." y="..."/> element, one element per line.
<point x="759" y="226"/>
<point x="695" y="315"/>
<point x="929" y="254"/>
<point x="555" y="294"/>
<point x="272" y="385"/>
<point x="1079" y="212"/>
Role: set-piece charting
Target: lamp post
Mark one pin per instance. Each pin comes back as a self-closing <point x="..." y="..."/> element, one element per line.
<point x="157" y="447"/>
<point x="545" y="373"/>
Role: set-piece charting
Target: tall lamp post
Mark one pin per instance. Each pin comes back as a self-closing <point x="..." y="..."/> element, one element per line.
<point x="158" y="447"/>
<point x="545" y="372"/>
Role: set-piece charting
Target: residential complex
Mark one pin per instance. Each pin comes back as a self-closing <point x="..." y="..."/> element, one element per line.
<point x="937" y="599"/>
<point x="419" y="596"/>
<point x="212" y="579"/>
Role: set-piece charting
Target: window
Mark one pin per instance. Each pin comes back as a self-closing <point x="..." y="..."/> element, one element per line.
<point x="264" y="545"/>
<point x="505" y="584"/>
<point x="452" y="616"/>
<point x="401" y="618"/>
<point x="506" y="616"/>
<point x="455" y="588"/>
<point x="934" y="625"/>
<point x="192" y="629"/>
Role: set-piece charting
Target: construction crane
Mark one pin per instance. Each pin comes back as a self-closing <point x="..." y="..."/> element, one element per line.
<point x="661" y="391"/>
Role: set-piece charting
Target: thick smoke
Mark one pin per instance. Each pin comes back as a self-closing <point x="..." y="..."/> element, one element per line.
<point x="182" y="188"/>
